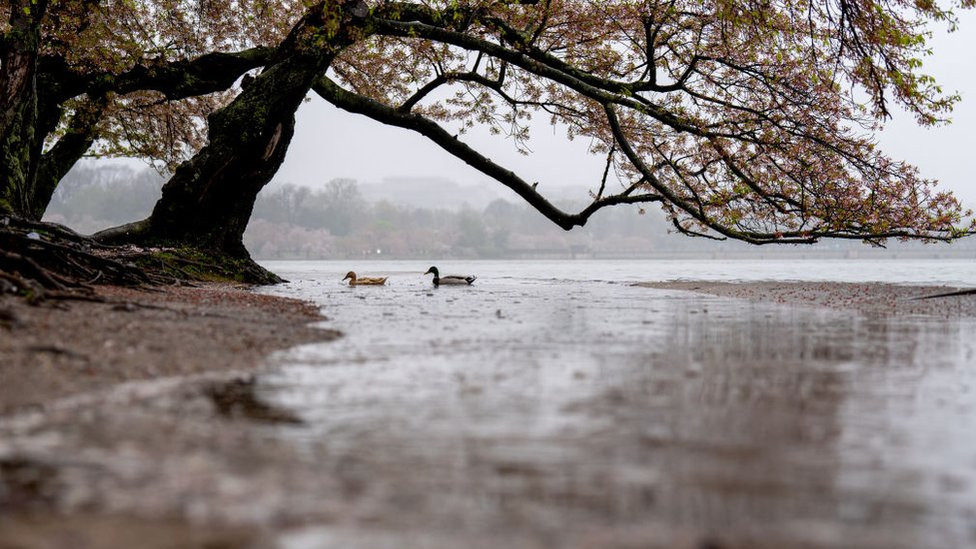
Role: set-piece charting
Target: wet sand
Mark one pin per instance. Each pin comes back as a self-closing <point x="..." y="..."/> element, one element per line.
<point x="869" y="297"/>
<point x="67" y="348"/>
<point x="60" y="355"/>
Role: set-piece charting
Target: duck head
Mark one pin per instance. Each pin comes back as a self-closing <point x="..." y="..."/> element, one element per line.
<point x="350" y="276"/>
<point x="433" y="270"/>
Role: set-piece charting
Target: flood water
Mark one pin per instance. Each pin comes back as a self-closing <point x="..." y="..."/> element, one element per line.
<point x="555" y="405"/>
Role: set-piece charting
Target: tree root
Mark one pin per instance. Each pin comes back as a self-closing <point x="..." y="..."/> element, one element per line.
<point x="50" y="262"/>
<point x="42" y="261"/>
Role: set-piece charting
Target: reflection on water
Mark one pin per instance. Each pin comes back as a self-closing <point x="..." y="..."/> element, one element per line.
<point x="237" y="398"/>
<point x="550" y="405"/>
<point x="578" y="413"/>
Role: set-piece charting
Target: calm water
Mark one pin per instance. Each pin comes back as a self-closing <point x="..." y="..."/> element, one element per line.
<point x="554" y="405"/>
<point x="952" y="272"/>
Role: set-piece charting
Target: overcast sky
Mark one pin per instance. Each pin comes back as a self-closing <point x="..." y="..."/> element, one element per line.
<point x="330" y="143"/>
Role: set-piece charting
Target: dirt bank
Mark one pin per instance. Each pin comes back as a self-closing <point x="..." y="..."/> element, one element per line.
<point x="57" y="353"/>
<point x="866" y="297"/>
<point x="69" y="348"/>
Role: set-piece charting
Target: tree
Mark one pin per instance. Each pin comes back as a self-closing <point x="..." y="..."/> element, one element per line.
<point x="342" y="206"/>
<point x="208" y="201"/>
<point x="742" y="120"/>
<point x="338" y="207"/>
<point x="19" y="47"/>
<point x="114" y="77"/>
<point x="731" y="115"/>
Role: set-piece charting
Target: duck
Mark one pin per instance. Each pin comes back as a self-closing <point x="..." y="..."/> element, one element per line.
<point x="364" y="281"/>
<point x="449" y="279"/>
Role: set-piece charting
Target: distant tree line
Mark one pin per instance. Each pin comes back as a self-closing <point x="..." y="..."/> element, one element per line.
<point x="93" y="198"/>
<point x="291" y="221"/>
<point x="336" y="221"/>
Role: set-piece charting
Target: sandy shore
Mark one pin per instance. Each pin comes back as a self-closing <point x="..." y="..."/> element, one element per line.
<point x="68" y="348"/>
<point x="865" y="297"/>
<point x="57" y="352"/>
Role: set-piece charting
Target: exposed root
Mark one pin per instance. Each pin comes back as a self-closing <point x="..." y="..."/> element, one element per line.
<point x="41" y="261"/>
<point x="194" y="264"/>
<point x="50" y="262"/>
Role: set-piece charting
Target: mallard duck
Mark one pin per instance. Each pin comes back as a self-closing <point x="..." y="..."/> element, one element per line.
<point x="365" y="281"/>
<point x="449" y="279"/>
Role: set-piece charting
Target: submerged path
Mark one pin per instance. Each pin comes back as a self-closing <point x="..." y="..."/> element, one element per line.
<point x="536" y="412"/>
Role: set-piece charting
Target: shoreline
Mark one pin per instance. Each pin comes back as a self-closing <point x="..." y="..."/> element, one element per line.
<point x="66" y="349"/>
<point x="60" y="358"/>
<point x="101" y="458"/>
<point x="61" y="350"/>
<point x="864" y="297"/>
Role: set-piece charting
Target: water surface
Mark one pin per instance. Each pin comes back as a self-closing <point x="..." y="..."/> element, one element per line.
<point x="554" y="405"/>
<point x="950" y="272"/>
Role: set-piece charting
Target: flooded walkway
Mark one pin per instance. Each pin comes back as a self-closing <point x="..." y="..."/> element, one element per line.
<point x="543" y="412"/>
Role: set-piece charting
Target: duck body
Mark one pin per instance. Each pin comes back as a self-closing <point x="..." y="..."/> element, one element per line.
<point x="365" y="280"/>
<point x="450" y="279"/>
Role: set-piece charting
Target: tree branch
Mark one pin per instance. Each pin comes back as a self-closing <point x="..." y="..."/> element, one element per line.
<point x="546" y="66"/>
<point x="77" y="139"/>
<point x="333" y="93"/>
<point x="179" y="79"/>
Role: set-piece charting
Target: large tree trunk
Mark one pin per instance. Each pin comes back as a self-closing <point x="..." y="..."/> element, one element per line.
<point x="18" y="106"/>
<point x="208" y="201"/>
<point x="33" y="90"/>
<point x="79" y="136"/>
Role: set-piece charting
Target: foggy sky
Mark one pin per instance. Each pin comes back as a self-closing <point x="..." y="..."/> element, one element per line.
<point x="330" y="143"/>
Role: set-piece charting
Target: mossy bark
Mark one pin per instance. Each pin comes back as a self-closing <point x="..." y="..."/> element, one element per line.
<point x="208" y="201"/>
<point x="18" y="106"/>
<point x="16" y="194"/>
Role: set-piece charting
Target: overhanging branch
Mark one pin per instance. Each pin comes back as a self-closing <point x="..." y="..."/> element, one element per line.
<point x="178" y="79"/>
<point x="349" y="101"/>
